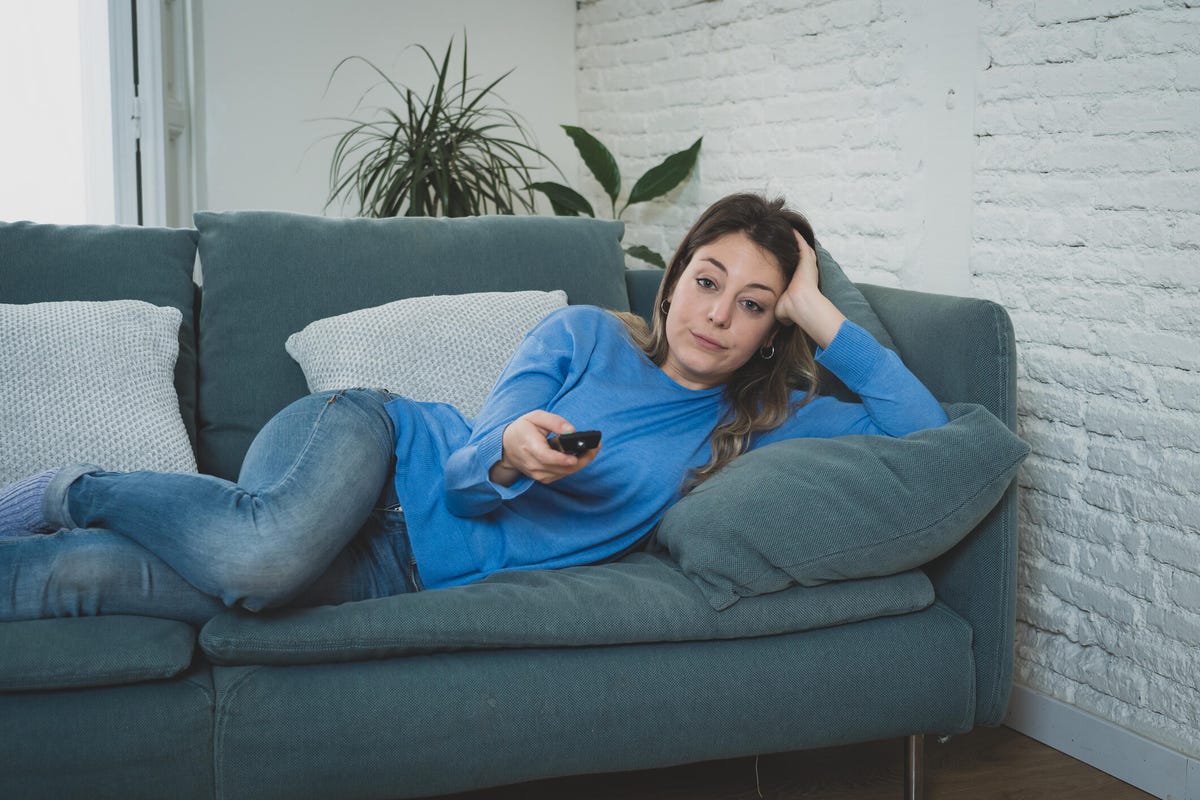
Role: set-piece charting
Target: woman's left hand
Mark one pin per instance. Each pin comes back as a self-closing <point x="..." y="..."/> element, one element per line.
<point x="803" y="304"/>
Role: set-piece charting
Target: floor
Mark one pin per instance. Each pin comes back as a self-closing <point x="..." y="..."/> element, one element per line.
<point x="986" y="764"/>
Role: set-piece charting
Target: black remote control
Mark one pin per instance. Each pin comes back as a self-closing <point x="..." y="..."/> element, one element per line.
<point x="574" y="443"/>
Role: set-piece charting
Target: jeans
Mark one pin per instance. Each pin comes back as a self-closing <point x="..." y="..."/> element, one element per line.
<point x="311" y="520"/>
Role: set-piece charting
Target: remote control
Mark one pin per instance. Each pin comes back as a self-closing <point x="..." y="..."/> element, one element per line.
<point x="574" y="443"/>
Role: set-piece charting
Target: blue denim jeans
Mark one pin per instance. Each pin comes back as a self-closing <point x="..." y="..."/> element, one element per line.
<point x="311" y="520"/>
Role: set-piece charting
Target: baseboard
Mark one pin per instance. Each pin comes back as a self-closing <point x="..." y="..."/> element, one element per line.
<point x="1127" y="756"/>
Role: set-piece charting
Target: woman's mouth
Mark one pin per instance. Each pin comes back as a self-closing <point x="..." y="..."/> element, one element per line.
<point x="706" y="343"/>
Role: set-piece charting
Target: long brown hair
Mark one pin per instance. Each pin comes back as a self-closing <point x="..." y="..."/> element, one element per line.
<point x="759" y="392"/>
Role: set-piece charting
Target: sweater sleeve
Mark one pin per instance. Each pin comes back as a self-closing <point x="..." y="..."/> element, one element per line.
<point x="532" y="379"/>
<point x="894" y="402"/>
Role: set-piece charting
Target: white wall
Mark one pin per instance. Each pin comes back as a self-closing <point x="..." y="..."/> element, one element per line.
<point x="262" y="67"/>
<point x="859" y="112"/>
<point x="1087" y="228"/>
<point x="1061" y="178"/>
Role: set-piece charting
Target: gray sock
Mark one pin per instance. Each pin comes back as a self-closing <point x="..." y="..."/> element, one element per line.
<point x="21" y="505"/>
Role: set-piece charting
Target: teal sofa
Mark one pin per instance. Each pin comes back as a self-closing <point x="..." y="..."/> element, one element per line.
<point x="618" y="666"/>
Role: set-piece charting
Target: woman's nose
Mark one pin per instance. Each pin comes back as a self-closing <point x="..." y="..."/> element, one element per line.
<point x="720" y="313"/>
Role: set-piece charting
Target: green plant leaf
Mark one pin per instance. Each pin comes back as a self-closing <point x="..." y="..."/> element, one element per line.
<point x="445" y="151"/>
<point x="566" y="201"/>
<point x="640" y="251"/>
<point x="666" y="176"/>
<point x="598" y="159"/>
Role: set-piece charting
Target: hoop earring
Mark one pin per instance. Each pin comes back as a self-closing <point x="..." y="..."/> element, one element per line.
<point x="767" y="352"/>
<point x="665" y="306"/>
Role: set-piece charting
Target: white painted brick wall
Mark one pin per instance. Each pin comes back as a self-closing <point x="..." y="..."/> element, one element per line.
<point x="1082" y="182"/>
<point x="1087" y="205"/>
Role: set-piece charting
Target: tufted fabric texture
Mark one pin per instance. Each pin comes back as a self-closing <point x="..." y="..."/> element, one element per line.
<point x="846" y="507"/>
<point x="90" y="382"/>
<point x="101" y="651"/>
<point x="641" y="598"/>
<point x="443" y="348"/>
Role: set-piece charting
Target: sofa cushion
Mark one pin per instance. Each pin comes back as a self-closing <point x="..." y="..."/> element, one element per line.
<point x="108" y="262"/>
<point x="266" y="275"/>
<point x="443" y="349"/>
<point x="94" y="651"/>
<point x="642" y="598"/>
<point x="146" y="740"/>
<point x="847" y="507"/>
<point x="122" y="354"/>
<point x="438" y="724"/>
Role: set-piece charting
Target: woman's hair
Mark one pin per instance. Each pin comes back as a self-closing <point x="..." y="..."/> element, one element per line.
<point x="759" y="393"/>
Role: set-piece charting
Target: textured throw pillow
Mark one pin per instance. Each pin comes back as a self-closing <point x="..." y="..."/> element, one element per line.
<point x="810" y="511"/>
<point x="848" y="298"/>
<point x="443" y="348"/>
<point x="90" y="382"/>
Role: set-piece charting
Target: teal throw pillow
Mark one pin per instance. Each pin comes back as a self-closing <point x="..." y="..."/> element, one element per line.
<point x="848" y="299"/>
<point x="810" y="511"/>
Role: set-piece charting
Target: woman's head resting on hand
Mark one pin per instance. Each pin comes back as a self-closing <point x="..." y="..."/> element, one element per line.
<point x="714" y="321"/>
<point x="721" y="287"/>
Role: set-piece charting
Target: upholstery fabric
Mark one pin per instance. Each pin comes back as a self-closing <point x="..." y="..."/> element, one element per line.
<point x="964" y="350"/>
<point x="101" y="651"/>
<point x="848" y="298"/>
<point x="448" y="722"/>
<point x="643" y="598"/>
<point x="142" y="741"/>
<point x="443" y="348"/>
<point x="268" y="274"/>
<point x="43" y="263"/>
<point x="847" y="507"/>
<point x="121" y="353"/>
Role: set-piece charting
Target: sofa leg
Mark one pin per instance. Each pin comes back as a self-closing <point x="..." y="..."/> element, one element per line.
<point x="914" y="767"/>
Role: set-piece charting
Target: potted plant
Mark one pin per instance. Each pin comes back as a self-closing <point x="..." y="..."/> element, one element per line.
<point x="450" y="152"/>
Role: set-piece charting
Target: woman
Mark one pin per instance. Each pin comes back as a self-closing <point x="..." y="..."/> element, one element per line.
<point x="358" y="494"/>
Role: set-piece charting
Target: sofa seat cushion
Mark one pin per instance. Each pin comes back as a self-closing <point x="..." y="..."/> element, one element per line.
<point x="78" y="652"/>
<point x="642" y="598"/>
<point x="268" y="274"/>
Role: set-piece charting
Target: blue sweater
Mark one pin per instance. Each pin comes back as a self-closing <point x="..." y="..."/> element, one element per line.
<point x="580" y="363"/>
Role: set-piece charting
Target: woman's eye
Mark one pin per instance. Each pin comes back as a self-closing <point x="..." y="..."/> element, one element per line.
<point x="705" y="283"/>
<point x="752" y="306"/>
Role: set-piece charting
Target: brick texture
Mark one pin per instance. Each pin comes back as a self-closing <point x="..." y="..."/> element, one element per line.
<point x="1087" y="204"/>
<point x="1084" y="187"/>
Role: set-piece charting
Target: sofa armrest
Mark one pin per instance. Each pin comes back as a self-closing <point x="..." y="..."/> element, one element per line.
<point x="964" y="350"/>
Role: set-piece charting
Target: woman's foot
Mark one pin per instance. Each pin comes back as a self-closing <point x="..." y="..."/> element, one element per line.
<point x="21" y="506"/>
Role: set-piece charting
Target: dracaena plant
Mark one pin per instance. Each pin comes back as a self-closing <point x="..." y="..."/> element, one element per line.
<point x="449" y="152"/>
<point x="655" y="183"/>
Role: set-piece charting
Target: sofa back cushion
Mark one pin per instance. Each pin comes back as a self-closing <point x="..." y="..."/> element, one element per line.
<point x="42" y="263"/>
<point x="266" y="275"/>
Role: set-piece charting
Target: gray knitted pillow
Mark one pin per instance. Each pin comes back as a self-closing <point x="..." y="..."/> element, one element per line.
<point x="90" y="382"/>
<point x="442" y="348"/>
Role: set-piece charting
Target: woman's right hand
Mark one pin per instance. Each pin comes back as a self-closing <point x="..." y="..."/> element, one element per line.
<point x="525" y="451"/>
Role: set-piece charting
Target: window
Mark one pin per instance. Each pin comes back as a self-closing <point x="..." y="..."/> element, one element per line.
<point x="96" y="109"/>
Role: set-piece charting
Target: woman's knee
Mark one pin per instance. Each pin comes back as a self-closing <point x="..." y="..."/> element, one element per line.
<point x="262" y="578"/>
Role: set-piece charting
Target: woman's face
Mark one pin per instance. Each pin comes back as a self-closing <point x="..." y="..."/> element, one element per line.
<point x="722" y="311"/>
